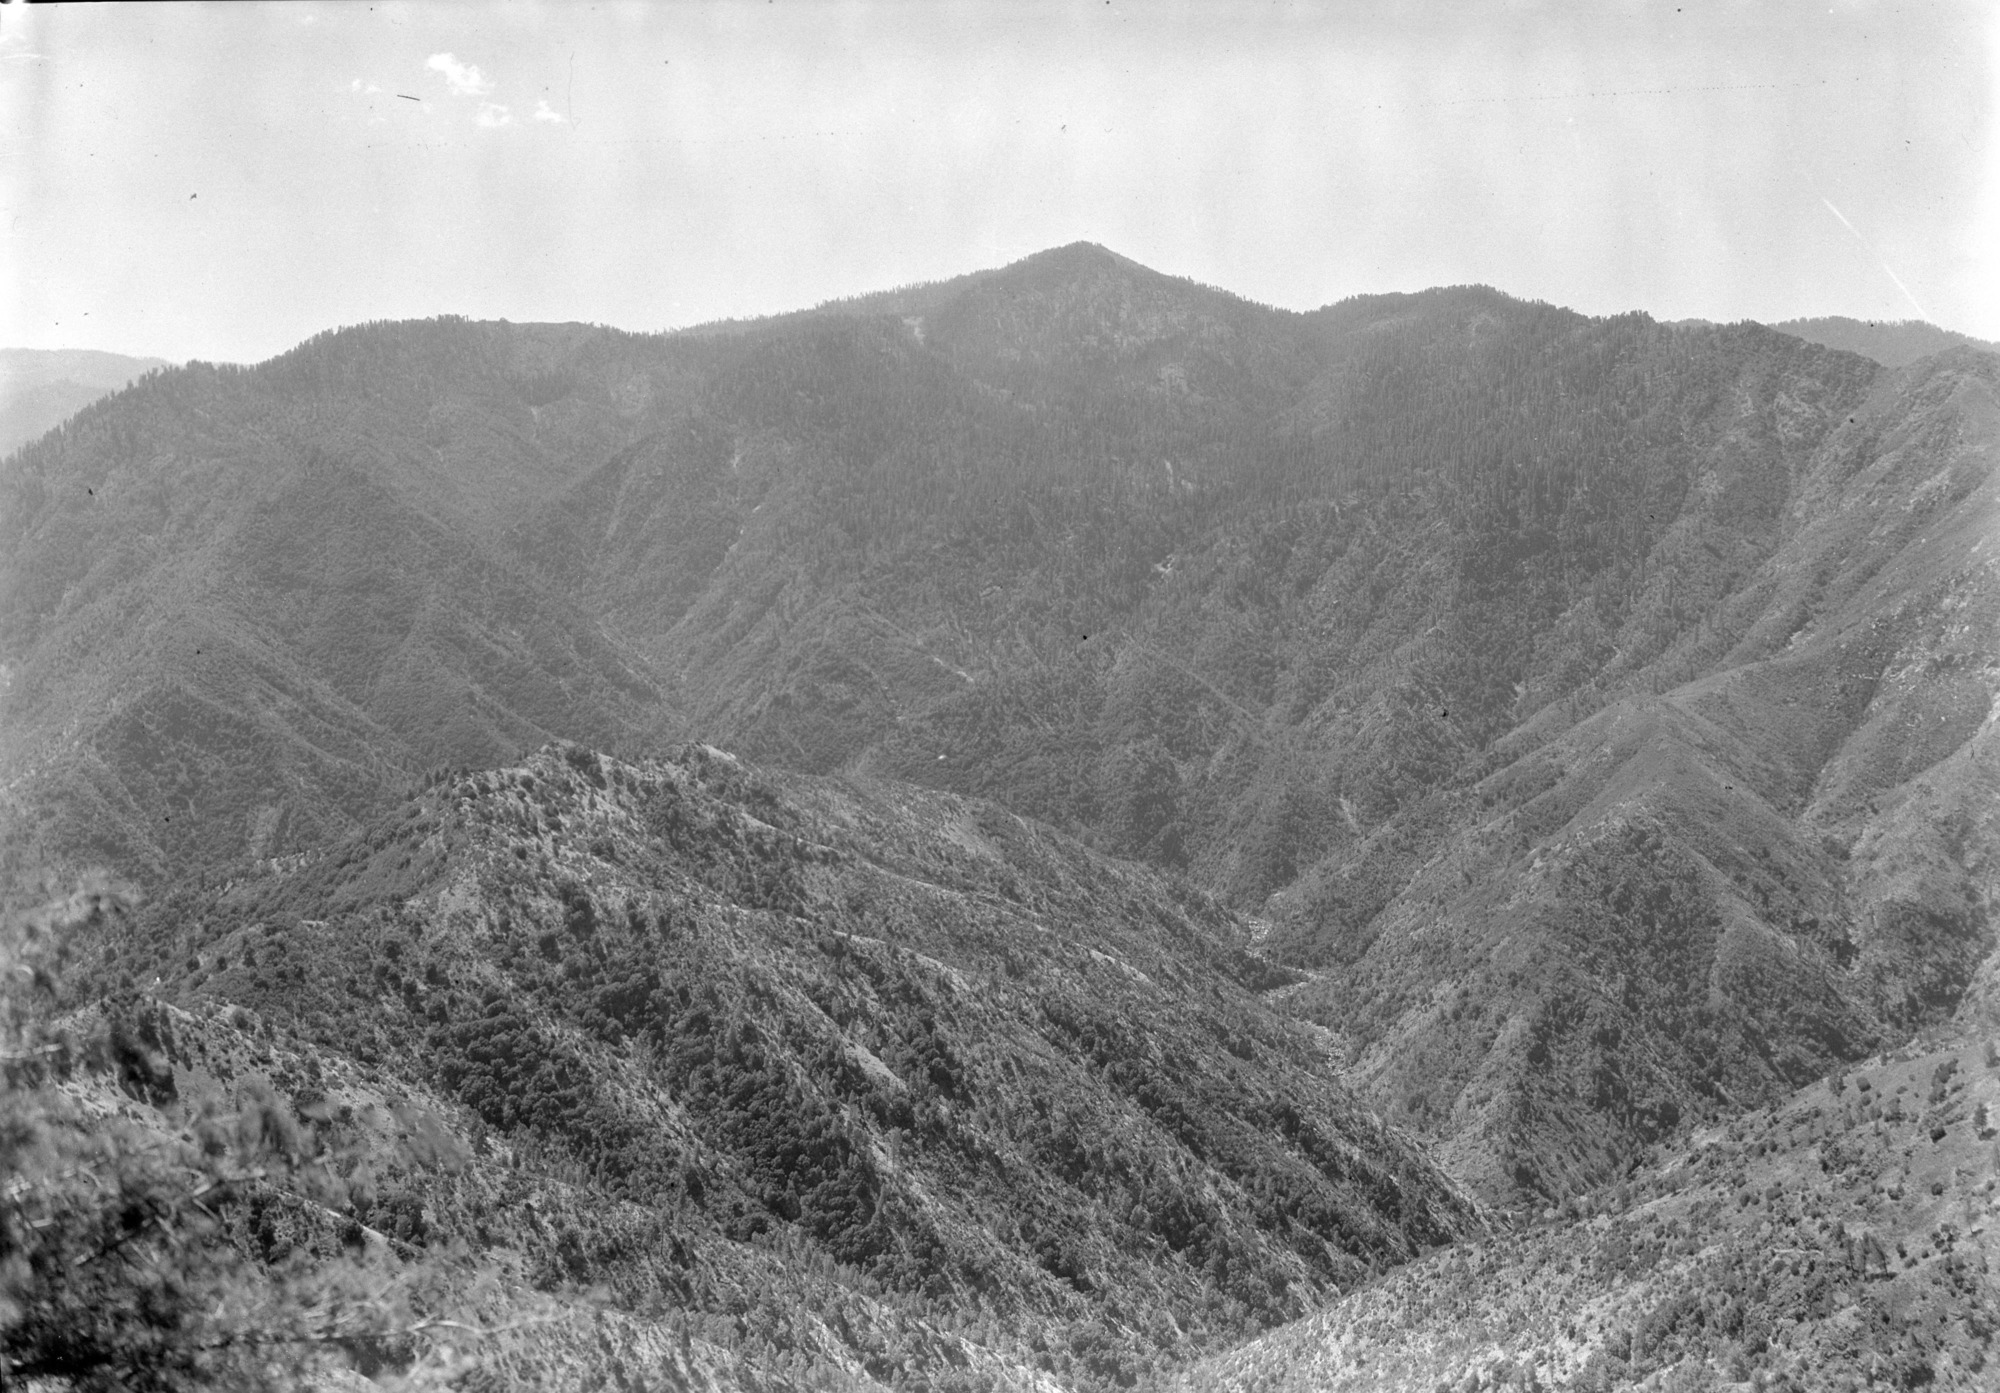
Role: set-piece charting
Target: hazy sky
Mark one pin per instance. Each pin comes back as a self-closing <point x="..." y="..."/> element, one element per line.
<point x="222" y="181"/>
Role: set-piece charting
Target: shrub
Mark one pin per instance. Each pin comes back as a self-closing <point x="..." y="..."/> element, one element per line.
<point x="117" y="1265"/>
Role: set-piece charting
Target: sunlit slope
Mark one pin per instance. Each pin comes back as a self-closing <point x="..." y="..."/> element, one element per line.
<point x="1842" y="1238"/>
<point x="1021" y="1093"/>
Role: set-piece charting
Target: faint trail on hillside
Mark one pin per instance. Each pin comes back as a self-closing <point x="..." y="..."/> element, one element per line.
<point x="886" y="622"/>
<point x="1260" y="722"/>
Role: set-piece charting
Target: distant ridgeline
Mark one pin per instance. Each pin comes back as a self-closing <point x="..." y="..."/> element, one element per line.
<point x="1588" y="723"/>
<point x="41" y="388"/>
<point x="1892" y="343"/>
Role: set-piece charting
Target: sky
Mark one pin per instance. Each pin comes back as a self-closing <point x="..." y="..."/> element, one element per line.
<point x="223" y="181"/>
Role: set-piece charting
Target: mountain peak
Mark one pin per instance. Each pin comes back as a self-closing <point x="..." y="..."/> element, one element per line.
<point x="1085" y="259"/>
<point x="1079" y="253"/>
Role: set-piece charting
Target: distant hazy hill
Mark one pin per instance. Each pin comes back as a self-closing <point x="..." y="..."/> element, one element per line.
<point x="39" y="388"/>
<point x="1893" y="343"/>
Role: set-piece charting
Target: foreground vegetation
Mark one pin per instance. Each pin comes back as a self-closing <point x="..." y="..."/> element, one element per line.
<point x="852" y="1081"/>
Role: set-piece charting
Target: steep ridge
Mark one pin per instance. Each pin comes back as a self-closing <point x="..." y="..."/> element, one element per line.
<point x="896" y="509"/>
<point x="1692" y="902"/>
<point x="904" y="1084"/>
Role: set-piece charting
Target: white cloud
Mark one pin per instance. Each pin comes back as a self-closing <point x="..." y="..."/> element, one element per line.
<point x="543" y="112"/>
<point x="366" y="89"/>
<point x="463" y="79"/>
<point x="493" y="114"/>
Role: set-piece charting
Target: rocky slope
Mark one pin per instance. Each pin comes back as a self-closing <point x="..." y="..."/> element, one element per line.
<point x="903" y="1086"/>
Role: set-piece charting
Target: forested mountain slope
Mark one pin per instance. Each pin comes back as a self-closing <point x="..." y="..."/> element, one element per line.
<point x="863" y="1083"/>
<point x="1841" y="1237"/>
<point x="1103" y="540"/>
<point x="1693" y="901"/>
<point x="237" y="606"/>
<point x="1477" y="645"/>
